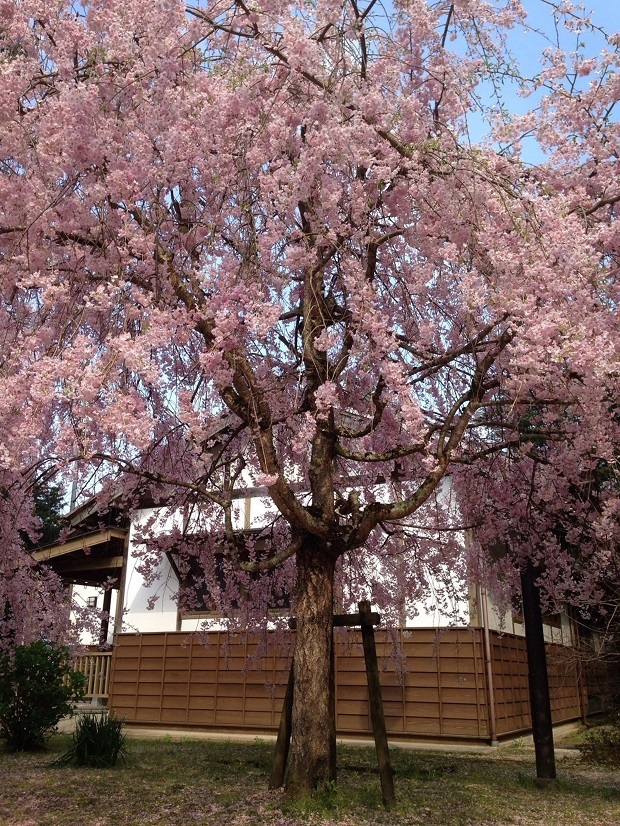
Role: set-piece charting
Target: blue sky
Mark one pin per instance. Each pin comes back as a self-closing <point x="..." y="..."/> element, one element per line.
<point x="526" y="47"/>
<point x="605" y="13"/>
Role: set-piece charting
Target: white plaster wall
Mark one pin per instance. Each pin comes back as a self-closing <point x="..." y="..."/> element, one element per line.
<point x="497" y="620"/>
<point x="249" y="512"/>
<point x="429" y="616"/>
<point x="252" y="512"/>
<point x="560" y="636"/>
<point x="138" y="596"/>
<point x="80" y="594"/>
<point x="506" y="623"/>
<point x="153" y="607"/>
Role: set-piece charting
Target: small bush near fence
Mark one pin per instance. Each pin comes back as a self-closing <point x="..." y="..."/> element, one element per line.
<point x="602" y="744"/>
<point x="37" y="688"/>
<point x="98" y="742"/>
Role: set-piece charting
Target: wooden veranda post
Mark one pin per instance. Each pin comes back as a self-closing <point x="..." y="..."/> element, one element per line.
<point x="376" y="704"/>
<point x="105" y="622"/>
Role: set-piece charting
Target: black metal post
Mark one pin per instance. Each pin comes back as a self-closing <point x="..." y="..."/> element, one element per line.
<point x="540" y="702"/>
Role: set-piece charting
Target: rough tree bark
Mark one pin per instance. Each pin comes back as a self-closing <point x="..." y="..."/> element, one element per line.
<point x="311" y="763"/>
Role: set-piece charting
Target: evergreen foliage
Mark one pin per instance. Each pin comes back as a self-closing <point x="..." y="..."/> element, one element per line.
<point x="49" y="504"/>
<point x="37" y="688"/>
<point x="602" y="744"/>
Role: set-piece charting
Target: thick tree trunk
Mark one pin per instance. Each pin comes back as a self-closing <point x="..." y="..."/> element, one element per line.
<point x="311" y="756"/>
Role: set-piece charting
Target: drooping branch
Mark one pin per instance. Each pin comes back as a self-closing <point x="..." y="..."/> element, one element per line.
<point x="274" y="561"/>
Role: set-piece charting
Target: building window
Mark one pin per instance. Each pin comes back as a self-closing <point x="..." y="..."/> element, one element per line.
<point x="91" y="602"/>
<point x="202" y="591"/>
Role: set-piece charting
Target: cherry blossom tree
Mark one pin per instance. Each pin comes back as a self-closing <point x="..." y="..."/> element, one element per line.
<point x="33" y="600"/>
<point x="250" y="244"/>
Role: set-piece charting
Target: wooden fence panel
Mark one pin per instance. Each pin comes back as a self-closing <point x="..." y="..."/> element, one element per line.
<point x="440" y="690"/>
<point x="563" y="670"/>
<point x="510" y="680"/>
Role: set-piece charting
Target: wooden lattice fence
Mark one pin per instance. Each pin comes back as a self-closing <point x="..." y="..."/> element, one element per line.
<point x="173" y="679"/>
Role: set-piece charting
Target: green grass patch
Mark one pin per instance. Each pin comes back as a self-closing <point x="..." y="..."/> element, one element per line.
<point x="182" y="782"/>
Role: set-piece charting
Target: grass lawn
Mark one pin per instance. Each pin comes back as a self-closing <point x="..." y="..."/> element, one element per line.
<point x="184" y="782"/>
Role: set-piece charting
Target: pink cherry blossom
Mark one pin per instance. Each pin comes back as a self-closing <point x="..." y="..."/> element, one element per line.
<point x="257" y="244"/>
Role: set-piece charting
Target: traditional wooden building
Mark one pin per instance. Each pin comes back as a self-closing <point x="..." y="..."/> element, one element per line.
<point x="154" y="667"/>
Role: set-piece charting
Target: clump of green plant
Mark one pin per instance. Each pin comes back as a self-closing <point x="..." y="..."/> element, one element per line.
<point x="38" y="687"/>
<point x="602" y="744"/>
<point x="98" y="741"/>
<point x="325" y="800"/>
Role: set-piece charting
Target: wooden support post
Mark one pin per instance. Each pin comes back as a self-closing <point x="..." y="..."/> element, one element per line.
<point x="284" y="736"/>
<point x="376" y="704"/>
<point x="105" y="622"/>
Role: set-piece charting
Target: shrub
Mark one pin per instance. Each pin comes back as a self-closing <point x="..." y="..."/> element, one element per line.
<point x="602" y="744"/>
<point x="98" y="741"/>
<point x="37" y="688"/>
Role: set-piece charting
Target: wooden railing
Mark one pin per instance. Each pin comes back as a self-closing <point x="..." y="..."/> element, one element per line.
<point x="96" y="667"/>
